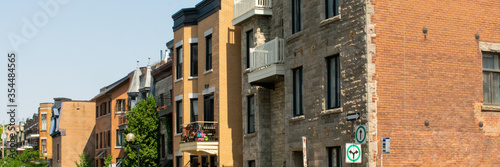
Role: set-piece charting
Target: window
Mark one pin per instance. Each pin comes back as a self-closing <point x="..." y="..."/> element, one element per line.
<point x="250" y="44"/>
<point x="58" y="155"/>
<point x="178" y="161"/>
<point x="208" y="110"/>
<point x="251" y="163"/>
<point x="333" y="82"/>
<point x="334" y="156"/>
<point x="251" y="114"/>
<point x="162" y="146"/>
<point x="161" y="100"/>
<point x="213" y="160"/>
<point x="100" y="140"/>
<point x="179" y="116"/>
<point x="194" y="59"/>
<point x="97" y="141"/>
<point x="296" y="27"/>
<point x="44" y="146"/>
<point x="109" y="138"/>
<point x="44" y="121"/>
<point x="298" y="159"/>
<point x="179" y="62"/>
<point x="208" y="59"/>
<point x="491" y="78"/>
<point x="332" y="8"/>
<point x="120" y="140"/>
<point x="297" y="92"/>
<point x="194" y="110"/>
<point x="96" y="111"/>
<point x="120" y="105"/>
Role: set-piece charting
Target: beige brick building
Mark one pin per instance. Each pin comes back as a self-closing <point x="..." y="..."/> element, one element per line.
<point x="45" y="140"/>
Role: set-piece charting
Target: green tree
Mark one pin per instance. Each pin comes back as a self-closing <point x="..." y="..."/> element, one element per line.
<point x="143" y="123"/>
<point x="108" y="160"/>
<point x="85" y="160"/>
<point x="28" y="158"/>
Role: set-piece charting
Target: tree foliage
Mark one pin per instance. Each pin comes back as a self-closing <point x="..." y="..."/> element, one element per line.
<point x="28" y="158"/>
<point x="108" y="160"/>
<point x="85" y="160"/>
<point x="143" y="123"/>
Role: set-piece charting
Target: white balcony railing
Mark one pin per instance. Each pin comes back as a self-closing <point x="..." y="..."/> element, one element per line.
<point x="266" y="54"/>
<point x="242" y="7"/>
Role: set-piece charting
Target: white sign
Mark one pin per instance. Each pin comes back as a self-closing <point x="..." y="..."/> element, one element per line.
<point x="361" y="134"/>
<point x="304" y="151"/>
<point x="353" y="153"/>
<point x="386" y="145"/>
<point x="4" y="136"/>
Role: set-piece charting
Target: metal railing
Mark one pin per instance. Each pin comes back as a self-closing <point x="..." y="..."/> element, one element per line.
<point x="243" y="6"/>
<point x="200" y="131"/>
<point x="123" y="119"/>
<point x="267" y="54"/>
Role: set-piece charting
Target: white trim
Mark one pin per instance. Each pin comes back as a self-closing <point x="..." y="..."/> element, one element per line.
<point x="193" y="40"/>
<point x="178" y="44"/>
<point x="41" y="113"/>
<point x="208" y="91"/>
<point x="177" y="80"/>
<point x="41" y="138"/>
<point x="193" y="95"/>
<point x="192" y="77"/>
<point x="45" y="108"/>
<point x="209" y="71"/>
<point x="178" y="98"/>
<point x="208" y="32"/>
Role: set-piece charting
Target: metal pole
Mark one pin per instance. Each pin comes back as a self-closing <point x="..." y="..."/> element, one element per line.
<point x="381" y="158"/>
<point x="3" y="140"/>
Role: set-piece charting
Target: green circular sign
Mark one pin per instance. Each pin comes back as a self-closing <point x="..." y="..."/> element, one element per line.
<point x="364" y="136"/>
<point x="359" y="153"/>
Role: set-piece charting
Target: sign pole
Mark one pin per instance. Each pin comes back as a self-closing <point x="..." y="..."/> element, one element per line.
<point x="3" y="139"/>
<point x="381" y="158"/>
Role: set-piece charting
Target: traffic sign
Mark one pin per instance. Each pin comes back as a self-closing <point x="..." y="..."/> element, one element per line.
<point x="353" y="116"/>
<point x="353" y="153"/>
<point x="361" y="134"/>
<point x="386" y="145"/>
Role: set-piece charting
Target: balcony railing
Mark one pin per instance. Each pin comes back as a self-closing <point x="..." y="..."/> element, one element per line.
<point x="244" y="9"/>
<point x="266" y="54"/>
<point x="200" y="131"/>
<point x="122" y="119"/>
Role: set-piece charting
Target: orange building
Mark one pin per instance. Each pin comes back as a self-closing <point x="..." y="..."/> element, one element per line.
<point x="207" y="77"/>
<point x="45" y="141"/>
<point x="72" y="131"/>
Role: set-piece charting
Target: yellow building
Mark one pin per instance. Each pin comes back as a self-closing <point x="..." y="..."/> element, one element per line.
<point x="207" y="86"/>
<point x="45" y="143"/>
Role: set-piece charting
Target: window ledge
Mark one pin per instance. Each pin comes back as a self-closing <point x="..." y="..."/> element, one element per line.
<point x="297" y="118"/>
<point x="118" y="147"/>
<point x="209" y="71"/>
<point x="490" y="107"/>
<point x="119" y="112"/>
<point x="331" y="111"/>
<point x="177" y="80"/>
<point x="192" y="77"/>
<point x="178" y="134"/>
<point x="294" y="36"/>
<point x="246" y="71"/>
<point x="43" y="130"/>
<point x="251" y="135"/>
<point x="329" y="20"/>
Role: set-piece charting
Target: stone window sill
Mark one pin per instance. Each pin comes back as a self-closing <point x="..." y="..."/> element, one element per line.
<point x="118" y="147"/>
<point x="331" y="111"/>
<point x="294" y="36"/>
<point x="193" y="77"/>
<point x="246" y="71"/>
<point x="180" y="79"/>
<point x="329" y="20"/>
<point x="490" y="107"/>
<point x="209" y="71"/>
<point x="297" y="118"/>
<point x="251" y="135"/>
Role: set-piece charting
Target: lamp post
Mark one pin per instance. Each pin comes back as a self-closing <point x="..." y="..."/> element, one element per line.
<point x="131" y="138"/>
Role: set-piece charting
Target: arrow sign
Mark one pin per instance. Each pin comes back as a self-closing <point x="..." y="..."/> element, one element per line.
<point x="361" y="134"/>
<point x="353" y="153"/>
<point x="353" y="116"/>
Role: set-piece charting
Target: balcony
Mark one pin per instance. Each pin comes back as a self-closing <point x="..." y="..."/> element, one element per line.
<point x="122" y="120"/>
<point x="244" y="9"/>
<point x="267" y="63"/>
<point x="200" y="137"/>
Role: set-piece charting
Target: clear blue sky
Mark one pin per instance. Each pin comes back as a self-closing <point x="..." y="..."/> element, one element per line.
<point x="81" y="47"/>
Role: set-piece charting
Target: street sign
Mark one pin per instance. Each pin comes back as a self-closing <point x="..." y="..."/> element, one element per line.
<point x="353" y="116"/>
<point x="386" y="145"/>
<point x="304" y="150"/>
<point x="361" y="134"/>
<point x="353" y="153"/>
<point x="4" y="136"/>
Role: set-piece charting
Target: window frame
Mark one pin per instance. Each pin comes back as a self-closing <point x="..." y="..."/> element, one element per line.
<point x="490" y="74"/>
<point x="194" y="114"/>
<point x="329" y="151"/>
<point x="194" y="59"/>
<point x="208" y="52"/>
<point x="299" y="93"/>
<point x="209" y="108"/>
<point x="178" y="62"/>
<point x="179" y="116"/>
<point x="250" y="114"/>
<point x="296" y="16"/>
<point x="44" y="121"/>
<point x="250" y="42"/>
<point x="335" y="9"/>
<point x="333" y="102"/>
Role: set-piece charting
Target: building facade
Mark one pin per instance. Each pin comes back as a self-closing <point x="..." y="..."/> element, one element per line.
<point x="72" y="131"/>
<point x="32" y="133"/>
<point x="307" y="65"/>
<point x="206" y="72"/>
<point x="45" y="140"/>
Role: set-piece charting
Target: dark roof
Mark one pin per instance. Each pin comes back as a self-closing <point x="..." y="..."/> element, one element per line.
<point x="111" y="87"/>
<point x="191" y="16"/>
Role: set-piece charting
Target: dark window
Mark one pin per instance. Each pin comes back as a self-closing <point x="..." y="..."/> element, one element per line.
<point x="100" y="140"/>
<point x="119" y="138"/>
<point x="58" y="149"/>
<point x="332" y="8"/>
<point x="208" y="59"/>
<point x="251" y="163"/>
<point x="96" y="111"/>
<point x="179" y="116"/>
<point x="204" y="161"/>
<point x="194" y="110"/>
<point x="213" y="160"/>
<point x="334" y="156"/>
<point x="333" y="82"/>
<point x="178" y="161"/>
<point x="162" y="146"/>
<point x="298" y="159"/>
<point x="251" y="114"/>
<point x="109" y="138"/>
<point x="194" y="161"/>
<point x="208" y="110"/>
<point x="120" y="105"/>
<point x="194" y="59"/>
<point x="250" y="44"/>
<point x="296" y="27"/>
<point x="179" y="62"/>
<point x="161" y="100"/>
<point x="491" y="78"/>
<point x="97" y="141"/>
<point x="297" y="92"/>
<point x="109" y="107"/>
